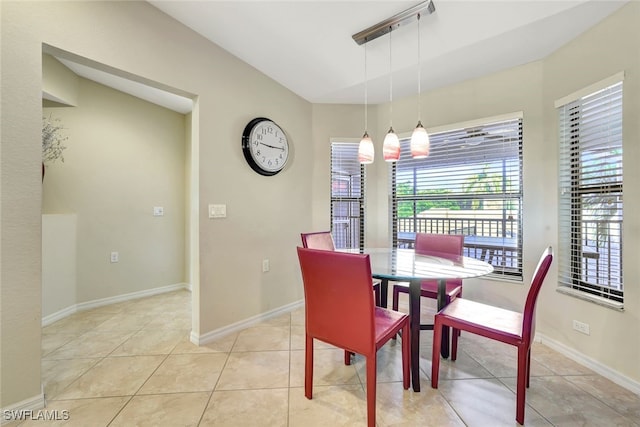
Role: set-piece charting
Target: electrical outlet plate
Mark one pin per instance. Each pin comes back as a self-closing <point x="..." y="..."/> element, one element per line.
<point x="581" y="327"/>
<point x="115" y="257"/>
<point x="217" y="211"/>
<point x="265" y="265"/>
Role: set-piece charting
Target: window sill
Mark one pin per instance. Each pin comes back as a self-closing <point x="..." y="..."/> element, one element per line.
<point x="618" y="306"/>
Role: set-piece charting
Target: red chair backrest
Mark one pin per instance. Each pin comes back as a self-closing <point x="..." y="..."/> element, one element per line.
<point x="339" y="306"/>
<point x="319" y="240"/>
<point x="440" y="243"/>
<point x="443" y="243"/>
<point x="529" y="313"/>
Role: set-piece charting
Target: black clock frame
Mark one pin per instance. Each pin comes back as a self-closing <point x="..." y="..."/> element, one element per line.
<point x="246" y="146"/>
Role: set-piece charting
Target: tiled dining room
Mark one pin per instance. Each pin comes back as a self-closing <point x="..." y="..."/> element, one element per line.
<point x="132" y="364"/>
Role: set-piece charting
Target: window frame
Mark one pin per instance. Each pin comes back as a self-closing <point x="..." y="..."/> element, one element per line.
<point x="507" y="262"/>
<point x="355" y="198"/>
<point x="577" y="186"/>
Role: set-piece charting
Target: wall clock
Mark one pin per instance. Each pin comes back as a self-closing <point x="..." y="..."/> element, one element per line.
<point x="265" y="146"/>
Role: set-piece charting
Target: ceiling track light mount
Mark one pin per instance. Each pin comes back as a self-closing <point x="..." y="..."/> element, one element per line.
<point x="393" y="23"/>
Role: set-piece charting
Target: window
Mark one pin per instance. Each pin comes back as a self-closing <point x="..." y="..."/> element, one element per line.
<point x="590" y="216"/>
<point x="347" y="196"/>
<point x="470" y="184"/>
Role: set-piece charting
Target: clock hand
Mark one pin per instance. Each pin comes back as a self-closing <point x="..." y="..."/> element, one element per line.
<point x="272" y="146"/>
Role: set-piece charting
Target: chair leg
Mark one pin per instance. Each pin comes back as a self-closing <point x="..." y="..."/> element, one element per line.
<point x="435" y="358"/>
<point x="371" y="390"/>
<point x="308" y="367"/>
<point x="394" y="303"/>
<point x="347" y="357"/>
<point x="406" y="356"/>
<point x="396" y="295"/>
<point x="521" y="383"/>
<point x="454" y="343"/>
<point x="376" y="292"/>
<point x="528" y="366"/>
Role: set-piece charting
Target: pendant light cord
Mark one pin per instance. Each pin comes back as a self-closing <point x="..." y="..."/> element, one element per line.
<point x="365" y="88"/>
<point x="390" y="82"/>
<point x="419" y="68"/>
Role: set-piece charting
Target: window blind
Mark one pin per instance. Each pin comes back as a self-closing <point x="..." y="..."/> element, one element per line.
<point x="470" y="184"/>
<point x="347" y="196"/>
<point x="591" y="196"/>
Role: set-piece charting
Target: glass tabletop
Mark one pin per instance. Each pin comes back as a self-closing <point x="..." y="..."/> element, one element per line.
<point x="404" y="264"/>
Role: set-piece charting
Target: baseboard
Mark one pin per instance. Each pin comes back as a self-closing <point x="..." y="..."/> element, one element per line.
<point x="238" y="326"/>
<point x="61" y="314"/>
<point x="590" y="363"/>
<point x="23" y="410"/>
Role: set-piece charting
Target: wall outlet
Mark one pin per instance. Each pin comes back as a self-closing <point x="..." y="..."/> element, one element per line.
<point x="581" y="327"/>
<point x="158" y="211"/>
<point x="115" y="257"/>
<point x="265" y="265"/>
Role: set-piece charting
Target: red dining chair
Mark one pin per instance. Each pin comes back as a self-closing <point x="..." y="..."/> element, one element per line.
<point x="510" y="327"/>
<point x="339" y="310"/>
<point x="323" y="240"/>
<point x="429" y="243"/>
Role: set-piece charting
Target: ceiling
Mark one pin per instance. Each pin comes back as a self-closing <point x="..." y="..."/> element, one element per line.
<point x="307" y="46"/>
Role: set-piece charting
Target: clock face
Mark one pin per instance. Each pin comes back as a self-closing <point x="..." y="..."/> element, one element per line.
<point x="265" y="146"/>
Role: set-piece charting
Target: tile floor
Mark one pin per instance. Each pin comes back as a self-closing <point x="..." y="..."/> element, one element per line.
<point x="131" y="364"/>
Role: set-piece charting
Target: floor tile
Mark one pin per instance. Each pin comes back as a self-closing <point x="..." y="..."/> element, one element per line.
<point x="150" y="342"/>
<point x="179" y="409"/>
<point x="335" y="406"/>
<point x="186" y="373"/>
<point x="255" y="370"/>
<point x="113" y="376"/>
<point x="328" y="368"/>
<point x="58" y="374"/>
<point x="261" y="338"/>
<point x="485" y="402"/>
<point x="247" y="408"/>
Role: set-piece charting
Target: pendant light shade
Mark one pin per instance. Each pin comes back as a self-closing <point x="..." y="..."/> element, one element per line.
<point x="366" y="152"/>
<point x="420" y="142"/>
<point x="391" y="147"/>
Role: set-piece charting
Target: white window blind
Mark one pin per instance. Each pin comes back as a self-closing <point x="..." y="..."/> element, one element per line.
<point x="347" y="196"/>
<point x="590" y="216"/>
<point x="470" y="184"/>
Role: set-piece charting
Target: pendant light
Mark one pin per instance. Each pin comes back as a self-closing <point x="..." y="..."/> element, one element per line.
<point x="366" y="151"/>
<point x="419" y="138"/>
<point x="391" y="144"/>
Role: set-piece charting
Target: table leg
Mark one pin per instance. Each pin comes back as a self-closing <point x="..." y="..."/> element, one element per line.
<point x="414" y="313"/>
<point x="384" y="292"/>
<point x="442" y="290"/>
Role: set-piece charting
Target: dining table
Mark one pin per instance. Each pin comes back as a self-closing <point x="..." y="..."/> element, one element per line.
<point x="405" y="265"/>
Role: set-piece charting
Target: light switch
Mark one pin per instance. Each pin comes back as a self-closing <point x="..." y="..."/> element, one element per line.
<point x="217" y="211"/>
<point x="158" y="211"/>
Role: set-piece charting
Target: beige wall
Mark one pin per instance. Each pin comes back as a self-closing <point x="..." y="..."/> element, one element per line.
<point x="137" y="38"/>
<point x="124" y="156"/>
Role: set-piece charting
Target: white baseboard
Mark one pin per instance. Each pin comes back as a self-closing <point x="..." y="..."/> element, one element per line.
<point x="590" y="363"/>
<point x="238" y="326"/>
<point x="61" y="314"/>
<point x="22" y="409"/>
